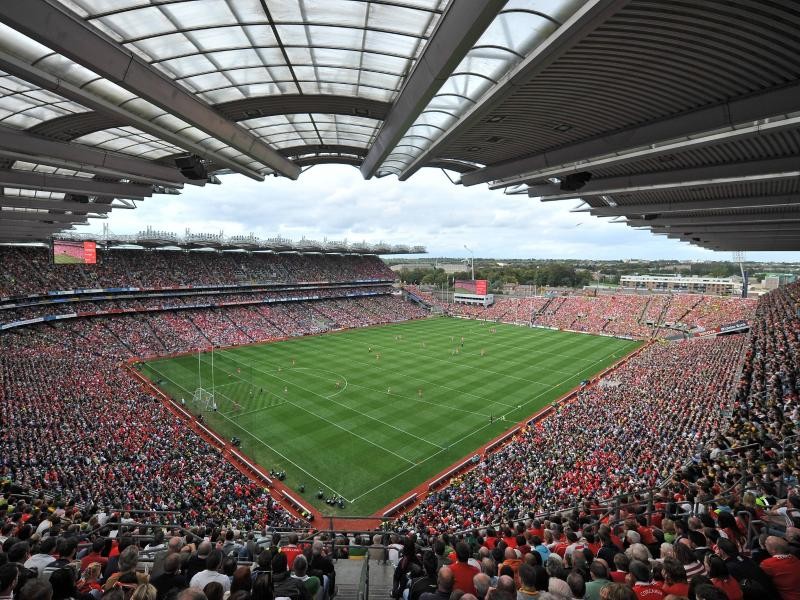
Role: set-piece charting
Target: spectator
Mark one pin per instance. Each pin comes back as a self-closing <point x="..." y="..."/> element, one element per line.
<point x="211" y="573"/>
<point x="783" y="568"/>
<point x="284" y="585"/>
<point x="640" y="581"/>
<point x="444" y="586"/>
<point x="170" y="581"/>
<point x="598" y="571"/>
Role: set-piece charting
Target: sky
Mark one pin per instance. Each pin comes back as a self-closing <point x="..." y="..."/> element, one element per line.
<point x="335" y="202"/>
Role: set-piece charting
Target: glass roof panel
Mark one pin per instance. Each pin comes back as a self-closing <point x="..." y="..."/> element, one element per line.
<point x="195" y="14"/>
<point x="520" y="28"/>
<point x="384" y="63"/>
<point x="129" y="140"/>
<point x="226" y="50"/>
<point x="23" y="105"/>
<point x="17" y="192"/>
<point x="410" y="21"/>
<point x="21" y="165"/>
<point x="187" y="66"/>
<point x="344" y="13"/>
<point x="143" y="22"/>
<point x="378" y="41"/>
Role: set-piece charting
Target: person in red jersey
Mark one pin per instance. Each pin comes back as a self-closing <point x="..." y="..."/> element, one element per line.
<point x="640" y="580"/>
<point x="783" y="568"/>
<point x="291" y="550"/>
<point x="621" y="565"/>
<point x="721" y="578"/>
<point x="675" y="578"/>
<point x="463" y="572"/>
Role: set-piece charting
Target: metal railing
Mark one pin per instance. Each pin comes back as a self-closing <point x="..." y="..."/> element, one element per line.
<point x="363" y="581"/>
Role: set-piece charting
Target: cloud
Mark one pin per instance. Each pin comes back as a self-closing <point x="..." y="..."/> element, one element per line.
<point x="335" y="202"/>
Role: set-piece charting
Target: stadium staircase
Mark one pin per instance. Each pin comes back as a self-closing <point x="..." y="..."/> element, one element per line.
<point x="542" y="310"/>
<point x="351" y="575"/>
<point x="116" y="337"/>
<point x="199" y="331"/>
<point x="145" y="323"/>
<point x="322" y="321"/>
<point x="239" y="328"/>
<point x="640" y="318"/>
<point x="683" y="316"/>
<point x="414" y="298"/>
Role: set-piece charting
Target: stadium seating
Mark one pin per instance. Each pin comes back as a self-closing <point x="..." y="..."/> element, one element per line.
<point x="625" y="435"/>
<point x="630" y="315"/>
<point x="27" y="270"/>
<point x="689" y="442"/>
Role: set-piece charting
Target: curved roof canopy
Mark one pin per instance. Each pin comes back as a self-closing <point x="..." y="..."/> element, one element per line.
<point x="677" y="116"/>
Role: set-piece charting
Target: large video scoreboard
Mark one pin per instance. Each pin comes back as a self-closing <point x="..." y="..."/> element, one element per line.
<point x="65" y="252"/>
<point x="472" y="291"/>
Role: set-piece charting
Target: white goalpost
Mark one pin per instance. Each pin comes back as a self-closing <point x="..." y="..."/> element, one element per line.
<point x="204" y="399"/>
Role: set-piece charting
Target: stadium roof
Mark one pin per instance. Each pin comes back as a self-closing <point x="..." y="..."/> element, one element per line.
<point x="681" y="116"/>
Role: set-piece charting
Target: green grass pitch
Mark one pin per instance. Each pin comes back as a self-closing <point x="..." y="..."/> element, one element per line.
<point x="369" y="414"/>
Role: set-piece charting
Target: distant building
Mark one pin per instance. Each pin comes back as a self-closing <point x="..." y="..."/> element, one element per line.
<point x="411" y="266"/>
<point x="722" y="286"/>
<point x="775" y="280"/>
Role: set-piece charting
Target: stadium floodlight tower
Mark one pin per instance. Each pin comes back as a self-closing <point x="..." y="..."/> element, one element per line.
<point x="471" y="262"/>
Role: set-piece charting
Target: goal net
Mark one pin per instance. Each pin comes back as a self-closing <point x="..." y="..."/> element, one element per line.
<point x="203" y="399"/>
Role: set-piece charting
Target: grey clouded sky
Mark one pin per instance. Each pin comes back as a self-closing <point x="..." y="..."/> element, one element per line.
<point x="334" y="201"/>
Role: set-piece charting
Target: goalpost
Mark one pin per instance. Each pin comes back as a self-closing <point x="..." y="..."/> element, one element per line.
<point x="204" y="399"/>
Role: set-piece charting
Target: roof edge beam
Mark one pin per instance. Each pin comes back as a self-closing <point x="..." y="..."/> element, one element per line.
<point x="740" y="229"/>
<point x="60" y="29"/>
<point x="731" y="114"/>
<point x="773" y="168"/>
<point x="40" y="217"/>
<point x="692" y="205"/>
<point x="33" y="148"/>
<point x="54" y="204"/>
<point x="577" y="27"/>
<point x="31" y="180"/>
<point x="757" y="219"/>
<point x="456" y="33"/>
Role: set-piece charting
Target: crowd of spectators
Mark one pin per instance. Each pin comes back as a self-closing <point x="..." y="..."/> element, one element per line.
<point x="48" y="553"/>
<point x="75" y="425"/>
<point x="559" y="512"/>
<point x="162" y="301"/>
<point x="713" y="422"/>
<point x="27" y="270"/>
<point x="624" y="435"/>
<point x="631" y="315"/>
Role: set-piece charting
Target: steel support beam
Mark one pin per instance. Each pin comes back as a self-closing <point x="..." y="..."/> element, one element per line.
<point x="736" y="229"/>
<point x="693" y="205"/>
<point x="740" y="236"/>
<point x="756" y="246"/>
<point x="773" y="168"/>
<point x="31" y="180"/>
<point x="39" y="217"/>
<point x="45" y="204"/>
<point x="66" y="33"/>
<point x="25" y="146"/>
<point x="31" y="226"/>
<point x="751" y="219"/>
<point x="36" y="76"/>
<point x="581" y="24"/>
<point x="694" y="129"/>
<point x="458" y="30"/>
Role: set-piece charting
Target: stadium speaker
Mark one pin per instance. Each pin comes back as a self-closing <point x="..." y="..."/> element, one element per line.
<point x="575" y="181"/>
<point x="191" y="167"/>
